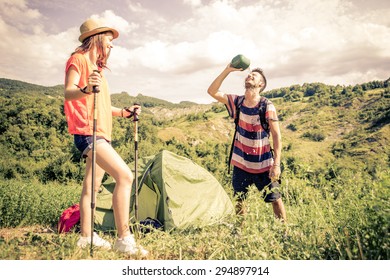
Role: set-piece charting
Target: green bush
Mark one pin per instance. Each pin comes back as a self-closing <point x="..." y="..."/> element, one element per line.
<point x="34" y="203"/>
<point x="292" y="127"/>
<point x="316" y="136"/>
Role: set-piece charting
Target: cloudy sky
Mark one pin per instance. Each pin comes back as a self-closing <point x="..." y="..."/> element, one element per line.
<point x="173" y="49"/>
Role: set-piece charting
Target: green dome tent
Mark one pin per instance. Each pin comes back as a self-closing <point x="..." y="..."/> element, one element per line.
<point x="173" y="190"/>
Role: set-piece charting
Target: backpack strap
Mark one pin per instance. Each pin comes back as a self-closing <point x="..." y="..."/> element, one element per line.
<point x="238" y="102"/>
<point x="262" y="110"/>
<point x="263" y="121"/>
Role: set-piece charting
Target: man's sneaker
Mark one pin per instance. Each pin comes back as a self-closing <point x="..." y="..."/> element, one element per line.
<point x="97" y="241"/>
<point x="128" y="245"/>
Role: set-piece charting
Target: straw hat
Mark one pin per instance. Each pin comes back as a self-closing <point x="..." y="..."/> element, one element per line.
<point x="94" y="26"/>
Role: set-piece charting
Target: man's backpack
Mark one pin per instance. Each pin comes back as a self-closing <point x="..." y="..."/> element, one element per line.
<point x="263" y="121"/>
<point x="69" y="219"/>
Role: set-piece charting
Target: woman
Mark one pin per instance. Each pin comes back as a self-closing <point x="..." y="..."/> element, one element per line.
<point x="84" y="70"/>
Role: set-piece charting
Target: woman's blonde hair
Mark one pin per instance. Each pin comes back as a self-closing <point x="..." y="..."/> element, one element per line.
<point x="95" y="41"/>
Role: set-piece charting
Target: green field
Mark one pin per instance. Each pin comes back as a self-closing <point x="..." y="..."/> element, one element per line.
<point x="335" y="182"/>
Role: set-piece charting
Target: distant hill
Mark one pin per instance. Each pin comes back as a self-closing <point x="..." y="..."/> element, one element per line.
<point x="8" y="87"/>
<point x="320" y="125"/>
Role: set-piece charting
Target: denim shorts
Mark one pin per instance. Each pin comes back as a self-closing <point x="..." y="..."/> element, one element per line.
<point x="242" y="180"/>
<point x="84" y="143"/>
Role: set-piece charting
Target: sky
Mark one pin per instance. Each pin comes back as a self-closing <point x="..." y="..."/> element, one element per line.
<point x="174" y="49"/>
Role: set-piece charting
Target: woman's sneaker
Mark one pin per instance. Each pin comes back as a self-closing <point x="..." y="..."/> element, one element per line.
<point x="128" y="245"/>
<point x="97" y="241"/>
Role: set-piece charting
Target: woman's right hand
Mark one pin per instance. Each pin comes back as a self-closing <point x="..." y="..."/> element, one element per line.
<point x="95" y="79"/>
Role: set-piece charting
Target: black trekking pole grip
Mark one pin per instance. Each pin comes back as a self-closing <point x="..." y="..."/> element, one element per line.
<point x="135" y="117"/>
<point x="96" y="89"/>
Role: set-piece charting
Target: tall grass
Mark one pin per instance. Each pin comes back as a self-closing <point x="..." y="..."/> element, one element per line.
<point x="353" y="224"/>
<point x="32" y="203"/>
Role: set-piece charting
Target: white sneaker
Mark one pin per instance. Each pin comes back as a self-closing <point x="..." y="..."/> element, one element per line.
<point x="128" y="245"/>
<point x="97" y="241"/>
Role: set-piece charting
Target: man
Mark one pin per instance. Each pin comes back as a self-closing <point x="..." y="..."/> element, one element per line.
<point x="253" y="161"/>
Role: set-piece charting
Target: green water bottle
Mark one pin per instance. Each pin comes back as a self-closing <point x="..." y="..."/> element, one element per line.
<point x="240" y="61"/>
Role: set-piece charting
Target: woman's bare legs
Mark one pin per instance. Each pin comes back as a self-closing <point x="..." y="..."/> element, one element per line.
<point x="109" y="160"/>
<point x="85" y="200"/>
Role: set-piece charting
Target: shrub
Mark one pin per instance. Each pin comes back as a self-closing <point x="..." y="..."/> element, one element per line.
<point x="292" y="127"/>
<point x="33" y="203"/>
<point x="316" y="136"/>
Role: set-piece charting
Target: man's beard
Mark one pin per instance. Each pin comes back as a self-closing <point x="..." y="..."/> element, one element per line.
<point x="249" y="85"/>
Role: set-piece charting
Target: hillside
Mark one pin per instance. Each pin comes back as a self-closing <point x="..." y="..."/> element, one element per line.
<point x="335" y="174"/>
<point x="324" y="124"/>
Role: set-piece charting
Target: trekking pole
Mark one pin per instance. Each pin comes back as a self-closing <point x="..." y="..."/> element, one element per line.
<point x="95" y="90"/>
<point x="135" y="120"/>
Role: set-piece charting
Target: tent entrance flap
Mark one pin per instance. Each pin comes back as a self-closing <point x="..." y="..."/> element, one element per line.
<point x="148" y="196"/>
<point x="149" y="199"/>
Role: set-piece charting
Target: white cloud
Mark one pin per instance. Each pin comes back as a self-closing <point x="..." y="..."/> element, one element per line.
<point x="28" y="51"/>
<point x="175" y="58"/>
<point x="137" y="8"/>
<point x="117" y="22"/>
<point x="17" y="14"/>
<point x="194" y="3"/>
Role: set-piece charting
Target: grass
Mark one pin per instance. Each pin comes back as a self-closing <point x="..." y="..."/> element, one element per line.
<point x="319" y="227"/>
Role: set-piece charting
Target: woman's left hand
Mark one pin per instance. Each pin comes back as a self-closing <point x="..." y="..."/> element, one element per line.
<point x="128" y="112"/>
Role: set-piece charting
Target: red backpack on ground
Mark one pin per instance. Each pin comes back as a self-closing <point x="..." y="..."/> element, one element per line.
<point x="69" y="218"/>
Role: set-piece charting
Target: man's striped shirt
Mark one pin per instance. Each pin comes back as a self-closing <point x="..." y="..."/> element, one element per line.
<point x="252" y="150"/>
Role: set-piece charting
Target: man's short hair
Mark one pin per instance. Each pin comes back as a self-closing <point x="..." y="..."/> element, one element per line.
<point x="261" y="72"/>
